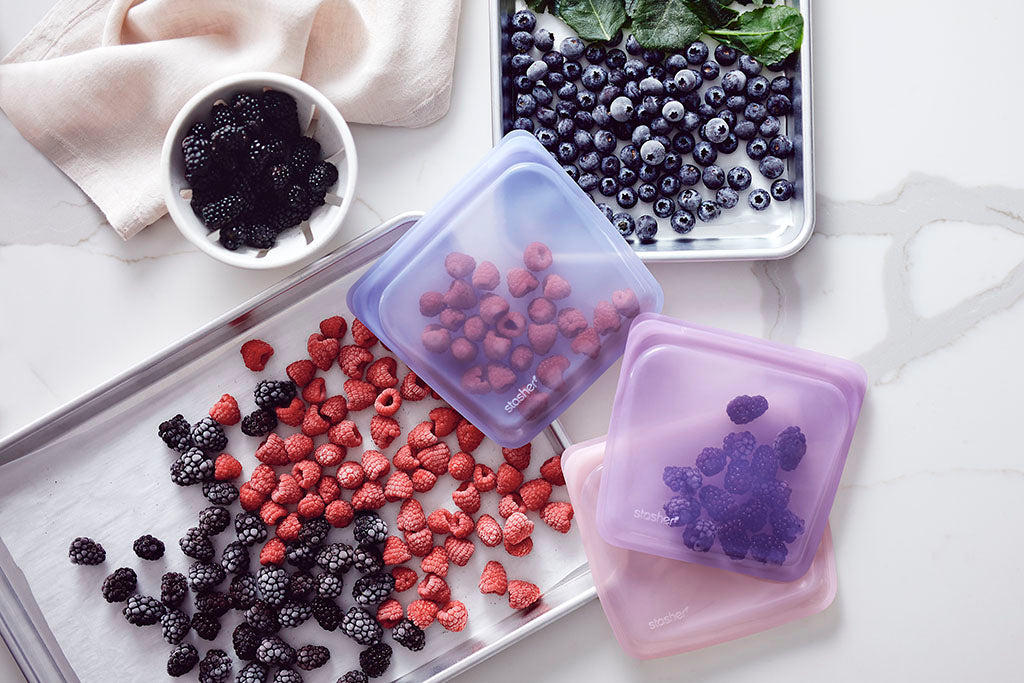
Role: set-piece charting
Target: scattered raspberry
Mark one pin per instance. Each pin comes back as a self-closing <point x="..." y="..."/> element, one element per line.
<point x="493" y="579"/>
<point x="521" y="549"/>
<point x="489" y="531"/>
<point x="433" y="587"/>
<point x="422" y="612"/>
<point x="353" y="360"/>
<point x="375" y="464"/>
<point x="272" y="552"/>
<point x="333" y="327"/>
<point x="551" y="470"/>
<point x="272" y="451"/>
<point x="322" y="350"/>
<point x="558" y="516"/>
<point x="301" y="372"/>
<point x="467" y="498"/>
<point x="271" y="512"/>
<point x="298" y="447"/>
<point x="518" y="457"/>
<point x="508" y="480"/>
<point x="420" y="542"/>
<point x="522" y="594"/>
<point x="398" y="487"/>
<point x="345" y="433"/>
<point x="535" y="493"/>
<point x="517" y="528"/>
<point x="226" y="468"/>
<point x="435" y="459"/>
<point x="461" y="524"/>
<point x="288" y="529"/>
<point x="315" y="391"/>
<point x="369" y="496"/>
<point x="311" y="506"/>
<point x="405" y="578"/>
<point x="361" y="334"/>
<point x="453" y="616"/>
<point x="329" y="454"/>
<point x="328" y="489"/>
<point x="334" y="409"/>
<point x="287" y="491"/>
<point x="388" y="402"/>
<point x="313" y="423"/>
<point x="461" y="466"/>
<point x="520" y="282"/>
<point x="484" y="478"/>
<point x="459" y="550"/>
<point x="381" y="373"/>
<point x="422" y="436"/>
<point x="384" y="430"/>
<point x="390" y="613"/>
<point x="468" y="435"/>
<point x="293" y="413"/>
<point x="339" y="513"/>
<point x="263" y="479"/>
<point x="423" y="480"/>
<point x="396" y="551"/>
<point x="436" y="562"/>
<point x="249" y="498"/>
<point x="509" y="504"/>
<point x="225" y="411"/>
<point x="413" y="388"/>
<point x="411" y="518"/>
<point x="360" y="394"/>
<point x="445" y="420"/>
<point x="744" y="409"/>
<point x="439" y="521"/>
<point x="256" y="353"/>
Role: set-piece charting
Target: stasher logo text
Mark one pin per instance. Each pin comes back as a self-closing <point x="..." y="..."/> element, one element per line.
<point x="521" y="395"/>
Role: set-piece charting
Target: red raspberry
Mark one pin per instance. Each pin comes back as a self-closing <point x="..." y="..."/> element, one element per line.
<point x="535" y="493"/>
<point x="226" y="468"/>
<point x="486" y="276"/>
<point x="420" y="542"/>
<point x="459" y="265"/>
<point x="518" y="527"/>
<point x="558" y="516"/>
<point x="461" y="524"/>
<point x="453" y="616"/>
<point x="445" y="420"/>
<point x="249" y="498"/>
<point x="225" y="411"/>
<point x="439" y="521"/>
<point x="521" y="549"/>
<point x="375" y="464"/>
<point x="298" y="447"/>
<point x="551" y="470"/>
<point x="288" y="491"/>
<point x="488" y="531"/>
<point x="263" y="480"/>
<point x="310" y="506"/>
<point x="271" y="512"/>
<point x="606" y="318"/>
<point x="484" y="478"/>
<point x="422" y="436"/>
<point x="293" y="414"/>
<point x="322" y="351"/>
<point x="520" y="282"/>
<point x="587" y="342"/>
<point x="467" y="498"/>
<point x="413" y="388"/>
<point x="423" y="480"/>
<point x="369" y="496"/>
<point x="388" y="402"/>
<point x="381" y="373"/>
<point x="360" y="394"/>
<point x="509" y="504"/>
<point x="436" y="562"/>
<point x="350" y="475"/>
<point x="422" y="612"/>
<point x="288" y="529"/>
<point x="334" y="409"/>
<point x="384" y="430"/>
<point x="256" y="353"/>
<point x="272" y="552"/>
<point x="468" y="435"/>
<point x="389" y="613"/>
<point x="518" y="457"/>
<point x="508" y="479"/>
<point x="329" y="454"/>
<point x="345" y="433"/>
<point x="431" y="303"/>
<point x="396" y="551"/>
<point x="461" y="466"/>
<point x="493" y="579"/>
<point x="315" y="391"/>
<point x="353" y="360"/>
<point x="333" y="327"/>
<point x="459" y="550"/>
<point x="339" y="513"/>
<point x="405" y="578"/>
<point x="361" y="334"/>
<point x="410" y="516"/>
<point x="556" y="287"/>
<point x="307" y="473"/>
<point x="522" y="594"/>
<point x="398" y="487"/>
<point x="435" y="458"/>
<point x="433" y="587"/>
<point x="313" y="424"/>
<point x="405" y="460"/>
<point x="272" y="451"/>
<point x="329" y="489"/>
<point x="301" y="372"/>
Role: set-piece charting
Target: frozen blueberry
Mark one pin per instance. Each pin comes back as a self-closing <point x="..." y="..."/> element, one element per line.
<point x="522" y="41"/>
<point x="764" y="463"/>
<point x="624" y="223"/>
<point x="790" y="445"/>
<point x="704" y="153"/>
<point x="682" y="510"/>
<point x="594" y="78"/>
<point x="728" y="116"/>
<point x="779" y="105"/>
<point x="583" y="140"/>
<point x="523" y="83"/>
<point x="572" y="47"/>
<point x="727" y="198"/>
<point x="771" y="167"/>
<point x="716" y="130"/>
<point x="664" y="207"/>
<point x="691" y="121"/>
<point x="634" y="69"/>
<point x="567" y="152"/>
<point x="755" y="112"/>
<point x="759" y="200"/>
<point x="689" y="175"/>
<point x="669" y="185"/>
<point x="554" y="59"/>
<point x="646" y="192"/>
<point x="571" y="171"/>
<point x="547" y="137"/>
<point x="690" y="200"/>
<point x="606" y="210"/>
<point x="608" y="186"/>
<point x="651" y="86"/>
<point x="524" y="20"/>
<point x="594" y="53"/>
<point x="543" y="40"/>
<point x="709" y="70"/>
<point x="526" y="105"/>
<point x="542" y="94"/>
<point x="588" y="182"/>
<point x="682" y="142"/>
<point x="546" y="116"/>
<point x="653" y="56"/>
<point x="572" y="70"/>
<point x="696" y="52"/>
<point x="725" y="55"/>
<point x="782" y="190"/>
<point x="626" y="176"/>
<point x="699" y="536"/>
<point x="648" y="173"/>
<point x="781" y="85"/>
<point x="615" y="58"/>
<point x="688" y="80"/>
<point x="735" y="103"/>
<point x="632" y="46"/>
<point x="685" y="480"/>
<point x="641" y="134"/>
<point x="781" y="146"/>
<point x="674" y="62"/>
<point x="629" y="155"/>
<point x="738" y="178"/>
<point x="708" y="211"/>
<point x="520" y="63"/>
<point x="604" y="141"/>
<point x="770" y="127"/>
<point x="738" y="478"/>
<point x="757" y="88"/>
<point x="748" y="65"/>
<point x="745" y="130"/>
<point x="523" y="123"/>
<point x="586" y="100"/>
<point x="734" y="82"/>
<point x="786" y="525"/>
<point x="608" y="94"/>
<point x="713" y="177"/>
<point x="646" y="228"/>
<point x="673" y="111"/>
<point x="652" y="152"/>
<point x="648" y="108"/>
<point x="626" y="198"/>
<point x="660" y="126"/>
<point x="682" y="221"/>
<point x="711" y="461"/>
<point x="621" y="108"/>
<point x="757" y="148"/>
<point x="537" y="70"/>
<point x="590" y="161"/>
<point x="565" y="128"/>
<point x="714" y="97"/>
<point x="728" y="145"/>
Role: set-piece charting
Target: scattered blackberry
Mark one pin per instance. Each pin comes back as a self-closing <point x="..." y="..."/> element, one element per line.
<point x="191" y="468"/>
<point x="249" y="528"/>
<point x="764" y="463"/>
<point x="263" y="618"/>
<point x="373" y="589"/>
<point x="682" y="510"/>
<point x="261" y="236"/>
<point x="361" y="626"/>
<point x="304" y="154"/>
<point x="311" y="657"/>
<point x="86" y="551"/>
<point x="120" y="585"/>
<point x="142" y="610"/>
<point x="204" y="576"/>
<point x="354" y="676"/>
<point x="287" y="676"/>
<point x="739" y="444"/>
<point x="273" y="651"/>
<point x="205" y="626"/>
<point x="235" y="557"/>
<point x="700" y="535"/>
<point x="327" y="613"/>
<point x="686" y="480"/>
<point x="243" y="591"/>
<point x="209" y="435"/>
<point x="213" y="520"/>
<point x="183" y="659"/>
<point x="244" y="640"/>
<point x="744" y="409"/>
<point x="148" y="547"/>
<point x="173" y="588"/>
<point x="220" y="492"/>
<point x="336" y="558"/>
<point x="196" y="545"/>
<point x="300" y="555"/>
<point x="768" y="549"/>
<point x="314" y="531"/>
<point x="294" y="613"/>
<point x="214" y="603"/>
<point x="270" y="393"/>
<point x="301" y="584"/>
<point x="322" y="176"/>
<point x="711" y="461"/>
<point x="175" y="625"/>
<point x="375" y="660"/>
<point x="367" y="559"/>
<point x="791" y="445"/>
<point x="222" y="212"/>
<point x="786" y="525"/>
<point x="328" y="585"/>
<point x="215" y="667"/>
<point x="253" y="672"/>
<point x="370" y="528"/>
<point x="409" y="635"/>
<point x="273" y="584"/>
<point x="176" y="433"/>
<point x="259" y="423"/>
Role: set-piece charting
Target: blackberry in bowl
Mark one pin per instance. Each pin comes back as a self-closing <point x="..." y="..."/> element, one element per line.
<point x="259" y="170"/>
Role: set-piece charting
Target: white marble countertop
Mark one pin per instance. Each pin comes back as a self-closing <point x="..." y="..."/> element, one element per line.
<point x="915" y="271"/>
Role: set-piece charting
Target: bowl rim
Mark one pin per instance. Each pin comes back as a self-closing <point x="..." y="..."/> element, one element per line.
<point x="173" y="200"/>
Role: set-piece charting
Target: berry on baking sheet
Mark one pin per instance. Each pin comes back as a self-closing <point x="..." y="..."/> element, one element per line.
<point x="148" y="547"/>
<point x="143" y="610"/>
<point x="173" y="588"/>
<point x="522" y="594"/>
<point x="225" y="411"/>
<point x="174" y="626"/>
<point x="176" y="433"/>
<point x="361" y="626"/>
<point x="120" y="585"/>
<point x="182" y="659"/>
<point x="256" y="353"/>
<point x="259" y="423"/>
<point x="453" y="616"/>
<point x="375" y="660"/>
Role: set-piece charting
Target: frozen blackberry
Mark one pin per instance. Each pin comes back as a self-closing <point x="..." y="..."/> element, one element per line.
<point x="354" y="676"/>
<point x="301" y="584"/>
<point x="209" y="435"/>
<point x="120" y="585"/>
<point x="249" y="528"/>
<point x="148" y="547"/>
<point x="259" y="423"/>
<point x="367" y="558"/>
<point x="205" y="626"/>
<point x="305" y="153"/>
<point x="214" y="603"/>
<point x="213" y="520"/>
<point x="253" y="672"/>
<point x="752" y="513"/>
<point x="191" y="468"/>
<point x="287" y="676"/>
<point x="235" y="557"/>
<point x="203" y="576"/>
<point x="327" y="613"/>
<point x="273" y="584"/>
<point x="716" y="501"/>
<point x="222" y="212"/>
<point x="361" y="626"/>
<point x="790" y="445"/>
<point x="294" y="613"/>
<point x="775" y="494"/>
<point x="685" y="480"/>
<point x="322" y="176"/>
<point x="768" y="549"/>
<point x="700" y="535"/>
<point x="682" y="510"/>
<point x="764" y="463"/>
<point x="744" y="409"/>
<point x="215" y="667"/>
<point x="373" y="589"/>
<point x="335" y="558"/>
<point x="142" y="610"/>
<point x="86" y="551"/>
<point x="786" y="525"/>
<point x="175" y="625"/>
<point x="243" y="591"/>
<point x="244" y="640"/>
<point x="328" y="585"/>
<point x="271" y="393"/>
<point x="738" y="478"/>
<point x="311" y="657"/>
<point x="711" y="461"/>
<point x="409" y="635"/>
<point x="300" y="555"/>
<point x="182" y="660"/>
<point x="314" y="531"/>
<point x="173" y="588"/>
<point x="263" y="618"/>
<point x="734" y="539"/>
<point x="370" y="528"/>
<point x="176" y="433"/>
<point x="196" y="545"/>
<point x="273" y="651"/>
<point x="375" y="660"/>
<point x="739" y="444"/>
<point x="220" y="492"/>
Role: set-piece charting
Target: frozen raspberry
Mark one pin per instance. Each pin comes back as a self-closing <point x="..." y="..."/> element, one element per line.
<point x="460" y="524"/>
<point x="734" y="539"/>
<point x="287" y="491"/>
<point x="774" y="494"/>
<point x="315" y="391"/>
<point x="711" y="461"/>
<point x="521" y="549"/>
<point x="461" y="466"/>
<point x="249" y="498"/>
<point x="520" y="282"/>
<point x="542" y="337"/>
<point x="484" y="478"/>
<point x="405" y="459"/>
<point x="790" y="445"/>
<point x="431" y="303"/>
<point x="256" y="353"/>
<point x="475" y="328"/>
<point x="558" y="516"/>
<point x="398" y="487"/>
<point x="422" y="436"/>
<point x="489" y="531"/>
<point x="467" y="498"/>
<point x="744" y="409"/>
<point x="405" y="578"/>
<point x="535" y="493"/>
<point x="493" y="579"/>
<point x="361" y="334"/>
<point x="570" y="322"/>
<point x="685" y="480"/>
<point x="226" y="468"/>
<point x="272" y="552"/>
<point x="460" y="295"/>
<point x="263" y="479"/>
<point x="381" y="373"/>
<point x="423" y="480"/>
<point x="395" y="551"/>
<point x="738" y="478"/>
<point x="522" y="594"/>
<point x="453" y="616"/>
<point x="419" y="542"/>
<point x="359" y="394"/>
<point x="384" y="430"/>
<point x="764" y="463"/>
<point x="298" y="447"/>
<point x="606" y="318"/>
<point x="272" y="513"/>
<point x="468" y="435"/>
<point x="550" y="371"/>
<point x="422" y="612"/>
<point x="541" y="310"/>
<point x="452" y="319"/>
<point x="314" y="424"/>
<point x="496" y="347"/>
<point x="439" y="521"/>
<point x="555" y="287"/>
<point x="463" y="350"/>
<point x="537" y="256"/>
<point x="413" y="388"/>
<point x="517" y="527"/>
<point x="739" y="444"/>
<point x="511" y="325"/>
<point x="587" y="343"/>
<point x="333" y="327"/>
<point x="311" y="506"/>
<point x="486" y="276"/>
<point x="459" y="265"/>
<point x="786" y="525"/>
<point x="433" y="587"/>
<point x="509" y="504"/>
<point x="459" y="550"/>
<point x="301" y="372"/>
<point x="500" y="377"/>
<point x="346" y="434"/>
<point x="292" y="414"/>
<point x="626" y="303"/>
<point x="716" y="501"/>
<point x="436" y="562"/>
<point x="334" y="409"/>
<point x="387" y="403"/>
<point x="508" y="479"/>
<point x="353" y="360"/>
<point x="289" y="528"/>
<point x="307" y="473"/>
<point x="682" y="510"/>
<point x="390" y="613"/>
<point x="521" y="358"/>
<point x="551" y="470"/>
<point x="225" y="411"/>
<point x="329" y="489"/>
<point x="435" y="458"/>
<point x="329" y="454"/>
<point x="752" y="513"/>
<point x="322" y="351"/>
<point x="768" y="549"/>
<point x="474" y="380"/>
<point x="700" y="535"/>
<point x="518" y="457"/>
<point x="339" y="513"/>
<point x="369" y="496"/>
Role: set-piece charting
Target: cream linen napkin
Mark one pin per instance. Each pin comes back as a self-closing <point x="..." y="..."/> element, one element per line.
<point x="96" y="83"/>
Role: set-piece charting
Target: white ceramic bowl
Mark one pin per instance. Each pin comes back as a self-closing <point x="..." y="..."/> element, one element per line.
<point x="318" y="118"/>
